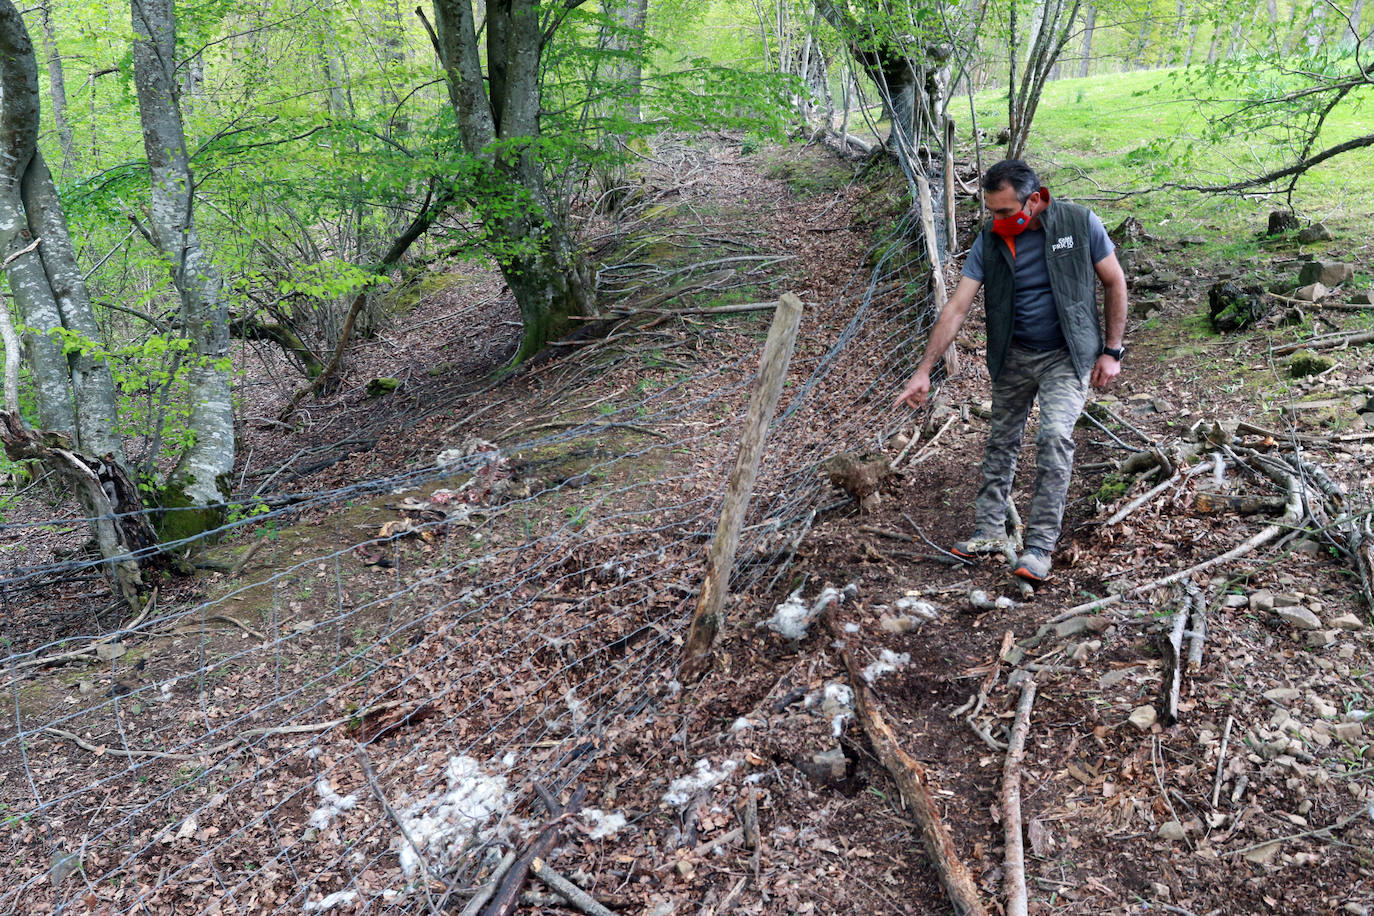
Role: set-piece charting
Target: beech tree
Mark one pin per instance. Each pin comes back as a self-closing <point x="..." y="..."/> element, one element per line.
<point x="72" y="384"/>
<point x="496" y="99"/>
<point x="200" y="478"/>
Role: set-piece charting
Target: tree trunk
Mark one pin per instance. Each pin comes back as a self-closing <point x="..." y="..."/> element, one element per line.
<point x="1089" y="22"/>
<point x="75" y="393"/>
<point x="1352" y="28"/>
<point x="201" y="476"/>
<point x="498" y="121"/>
<point x="57" y="87"/>
<point x="632" y="15"/>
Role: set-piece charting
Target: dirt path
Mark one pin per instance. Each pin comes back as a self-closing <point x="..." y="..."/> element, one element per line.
<point x="514" y="616"/>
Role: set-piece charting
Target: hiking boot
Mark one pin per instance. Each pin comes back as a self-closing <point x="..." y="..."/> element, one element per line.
<point x="1033" y="565"/>
<point x="980" y="545"/>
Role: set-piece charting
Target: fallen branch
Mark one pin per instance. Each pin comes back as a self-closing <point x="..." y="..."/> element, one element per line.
<point x="1221" y="760"/>
<point x="479" y="899"/>
<point x="507" y="897"/>
<point x="1323" y="832"/>
<point x="101" y="750"/>
<point x="1293" y="513"/>
<point x="1015" y="870"/>
<point x="925" y="452"/>
<point x="1171" y="650"/>
<point x="370" y="776"/>
<point x="1329" y="342"/>
<point x="1197" y="636"/>
<point x="570" y="892"/>
<point x="914" y="782"/>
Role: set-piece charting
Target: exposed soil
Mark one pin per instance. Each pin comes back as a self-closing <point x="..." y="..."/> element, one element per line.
<point x="538" y="631"/>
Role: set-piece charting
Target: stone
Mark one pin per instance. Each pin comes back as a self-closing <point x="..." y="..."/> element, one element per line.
<point x="1142" y="717"/>
<point x="1281" y="221"/>
<point x="1347" y="622"/>
<point x="1261" y="854"/>
<point x="109" y="651"/>
<point x="1235" y="601"/>
<point x="831" y="762"/>
<point x="1085" y="624"/>
<point x="1326" y="273"/>
<point x="377" y="387"/>
<point x="1298" y="617"/>
<point x="1172" y="831"/>
<point x="1320" y="639"/>
<point x="1305" y="364"/>
<point x="1348" y="731"/>
<point x="1262" y="601"/>
<point x="1312" y="292"/>
<point x="1363" y="297"/>
<point x="1317" y="232"/>
<point x="1282" y="694"/>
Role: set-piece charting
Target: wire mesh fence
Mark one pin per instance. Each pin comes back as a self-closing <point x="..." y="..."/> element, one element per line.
<point x="358" y="710"/>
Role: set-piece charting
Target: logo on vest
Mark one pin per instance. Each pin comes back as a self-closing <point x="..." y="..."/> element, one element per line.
<point x="1065" y="241"/>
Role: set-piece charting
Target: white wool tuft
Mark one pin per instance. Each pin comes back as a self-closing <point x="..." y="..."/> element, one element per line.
<point x="793" y="616"/>
<point x="334" y="804"/>
<point x="440" y="824"/>
<point x="683" y="789"/>
<point x="888" y="661"/>
<point x="338" y="898"/>
<point x="604" y="826"/>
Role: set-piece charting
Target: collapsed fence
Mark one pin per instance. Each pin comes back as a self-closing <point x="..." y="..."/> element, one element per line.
<point x="364" y="709"/>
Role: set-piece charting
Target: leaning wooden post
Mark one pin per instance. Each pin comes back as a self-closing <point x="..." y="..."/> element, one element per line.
<point x="710" y="612"/>
<point x="937" y="272"/>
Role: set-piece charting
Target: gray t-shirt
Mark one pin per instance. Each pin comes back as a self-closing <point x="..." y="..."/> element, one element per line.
<point x="1035" y="323"/>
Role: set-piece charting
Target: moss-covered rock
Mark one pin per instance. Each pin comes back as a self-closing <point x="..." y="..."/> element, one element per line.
<point x="1231" y="308"/>
<point x="1306" y="363"/>
<point x="379" y="386"/>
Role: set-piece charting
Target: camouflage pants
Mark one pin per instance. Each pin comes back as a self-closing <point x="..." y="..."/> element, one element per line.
<point x="1026" y="375"/>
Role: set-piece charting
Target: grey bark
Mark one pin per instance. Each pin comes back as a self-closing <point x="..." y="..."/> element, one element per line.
<point x="57" y="86"/>
<point x="498" y="123"/>
<point x="632" y="15"/>
<point x="202" y="471"/>
<point x="1055" y="27"/>
<point x="1089" y="22"/>
<point x="74" y="393"/>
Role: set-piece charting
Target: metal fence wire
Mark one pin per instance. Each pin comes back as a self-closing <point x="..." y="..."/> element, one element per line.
<point x="334" y="728"/>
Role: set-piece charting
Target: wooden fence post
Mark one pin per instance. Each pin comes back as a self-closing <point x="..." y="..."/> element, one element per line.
<point x="937" y="273"/>
<point x="763" y="401"/>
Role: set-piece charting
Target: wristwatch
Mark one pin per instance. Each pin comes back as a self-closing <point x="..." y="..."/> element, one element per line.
<point x="1114" y="352"/>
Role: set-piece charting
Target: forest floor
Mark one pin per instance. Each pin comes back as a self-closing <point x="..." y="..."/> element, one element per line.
<point x="1256" y="799"/>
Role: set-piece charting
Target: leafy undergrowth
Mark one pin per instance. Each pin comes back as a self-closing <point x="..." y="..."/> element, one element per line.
<point x="514" y="612"/>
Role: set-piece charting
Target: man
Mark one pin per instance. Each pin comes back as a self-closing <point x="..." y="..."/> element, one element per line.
<point x="1038" y="261"/>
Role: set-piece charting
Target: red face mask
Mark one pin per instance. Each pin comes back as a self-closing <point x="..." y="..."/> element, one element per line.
<point x="1009" y="227"/>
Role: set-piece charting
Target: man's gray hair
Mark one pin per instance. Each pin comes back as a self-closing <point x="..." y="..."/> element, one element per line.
<point x="1016" y="173"/>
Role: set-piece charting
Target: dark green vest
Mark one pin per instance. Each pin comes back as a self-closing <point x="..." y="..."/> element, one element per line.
<point x="1073" y="282"/>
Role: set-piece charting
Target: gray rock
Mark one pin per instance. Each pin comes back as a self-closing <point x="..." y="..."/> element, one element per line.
<point x="1347" y="622"/>
<point x="1327" y="273"/>
<point x="1235" y="601"/>
<point x="1076" y="625"/>
<point x="1298" y="617"/>
<point x="1172" y="831"/>
<point x="1317" y="232"/>
<point x="1320" y="639"/>
<point x="1142" y="717"/>
<point x="1262" y="601"/>
<point x="1348" y="731"/>
<point x="1282" y="695"/>
<point x="1312" y="292"/>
